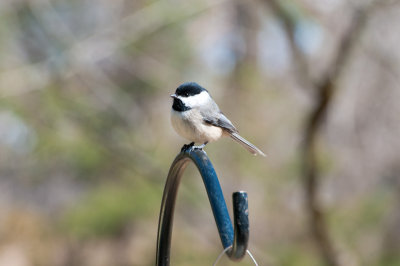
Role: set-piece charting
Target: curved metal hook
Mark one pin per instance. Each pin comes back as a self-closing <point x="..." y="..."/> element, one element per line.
<point x="237" y="239"/>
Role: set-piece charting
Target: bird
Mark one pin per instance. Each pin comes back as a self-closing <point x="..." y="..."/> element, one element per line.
<point x="196" y="117"/>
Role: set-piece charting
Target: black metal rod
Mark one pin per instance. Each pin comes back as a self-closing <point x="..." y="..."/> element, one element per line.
<point x="241" y="225"/>
<point x="237" y="239"/>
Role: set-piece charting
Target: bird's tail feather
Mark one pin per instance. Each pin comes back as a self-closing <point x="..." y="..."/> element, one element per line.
<point x="246" y="144"/>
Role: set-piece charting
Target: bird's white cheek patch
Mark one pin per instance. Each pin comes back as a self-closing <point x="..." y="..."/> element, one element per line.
<point x="196" y="100"/>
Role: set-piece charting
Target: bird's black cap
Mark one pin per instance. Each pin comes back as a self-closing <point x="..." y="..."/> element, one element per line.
<point x="189" y="89"/>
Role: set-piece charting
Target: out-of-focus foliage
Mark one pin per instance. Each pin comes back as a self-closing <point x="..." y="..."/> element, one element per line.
<point x="86" y="142"/>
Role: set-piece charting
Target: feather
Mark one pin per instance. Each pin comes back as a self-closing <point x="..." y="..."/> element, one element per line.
<point x="246" y="144"/>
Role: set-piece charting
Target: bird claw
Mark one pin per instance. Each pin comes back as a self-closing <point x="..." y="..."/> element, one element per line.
<point x="187" y="147"/>
<point x="200" y="147"/>
<point x="190" y="146"/>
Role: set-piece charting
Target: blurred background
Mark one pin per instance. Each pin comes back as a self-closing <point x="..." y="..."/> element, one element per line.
<point x="86" y="141"/>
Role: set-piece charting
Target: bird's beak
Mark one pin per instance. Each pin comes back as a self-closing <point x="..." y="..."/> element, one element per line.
<point x="174" y="96"/>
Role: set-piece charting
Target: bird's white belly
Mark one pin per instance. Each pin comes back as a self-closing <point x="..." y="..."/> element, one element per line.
<point x="189" y="124"/>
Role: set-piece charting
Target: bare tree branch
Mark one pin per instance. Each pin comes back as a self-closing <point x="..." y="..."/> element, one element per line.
<point x="289" y="25"/>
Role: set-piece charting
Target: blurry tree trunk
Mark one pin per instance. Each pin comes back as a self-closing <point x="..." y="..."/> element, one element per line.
<point x="311" y="173"/>
<point x="324" y="90"/>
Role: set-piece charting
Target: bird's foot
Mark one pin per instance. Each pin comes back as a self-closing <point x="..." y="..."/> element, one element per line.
<point x="191" y="146"/>
<point x="187" y="146"/>
<point x="200" y="147"/>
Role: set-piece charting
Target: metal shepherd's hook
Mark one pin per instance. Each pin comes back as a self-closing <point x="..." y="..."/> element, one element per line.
<point x="235" y="239"/>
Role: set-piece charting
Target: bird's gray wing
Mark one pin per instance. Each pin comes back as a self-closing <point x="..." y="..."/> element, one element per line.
<point x="218" y="119"/>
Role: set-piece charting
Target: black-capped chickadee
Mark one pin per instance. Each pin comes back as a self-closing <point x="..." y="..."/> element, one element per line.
<point x="196" y="117"/>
